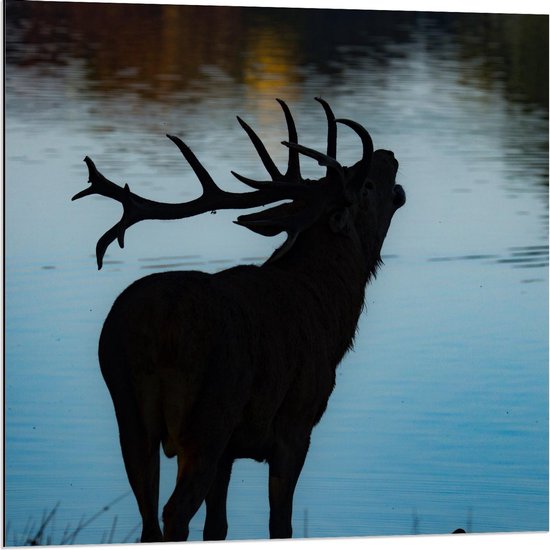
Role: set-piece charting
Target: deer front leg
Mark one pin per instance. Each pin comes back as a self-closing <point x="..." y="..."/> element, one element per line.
<point x="215" y="525"/>
<point x="284" y="469"/>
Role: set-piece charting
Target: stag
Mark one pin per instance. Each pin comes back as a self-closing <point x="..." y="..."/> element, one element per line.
<point x="241" y="363"/>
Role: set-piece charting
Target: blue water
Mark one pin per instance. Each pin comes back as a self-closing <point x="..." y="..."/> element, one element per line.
<point x="439" y="418"/>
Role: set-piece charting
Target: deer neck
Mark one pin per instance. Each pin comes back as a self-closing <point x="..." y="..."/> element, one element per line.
<point x="331" y="269"/>
<point x="324" y="255"/>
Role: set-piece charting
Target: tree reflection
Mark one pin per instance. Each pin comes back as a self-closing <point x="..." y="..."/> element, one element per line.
<point x="510" y="48"/>
<point x="158" y="50"/>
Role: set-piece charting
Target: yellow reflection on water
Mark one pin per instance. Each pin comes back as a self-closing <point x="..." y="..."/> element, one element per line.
<point x="270" y="71"/>
<point x="270" y="67"/>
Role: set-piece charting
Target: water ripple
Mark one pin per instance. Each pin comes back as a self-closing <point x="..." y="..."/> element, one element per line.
<point x="532" y="256"/>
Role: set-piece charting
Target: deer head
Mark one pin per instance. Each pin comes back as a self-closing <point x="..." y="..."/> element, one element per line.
<point x="357" y="201"/>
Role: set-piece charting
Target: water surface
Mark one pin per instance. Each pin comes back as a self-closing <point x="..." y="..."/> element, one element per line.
<point x="439" y="418"/>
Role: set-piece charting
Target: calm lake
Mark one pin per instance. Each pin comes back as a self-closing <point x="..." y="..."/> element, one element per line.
<point x="439" y="419"/>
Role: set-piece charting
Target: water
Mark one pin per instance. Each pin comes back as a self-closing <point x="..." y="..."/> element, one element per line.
<point x="439" y="418"/>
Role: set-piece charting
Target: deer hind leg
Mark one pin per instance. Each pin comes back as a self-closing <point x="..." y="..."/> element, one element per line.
<point x="196" y="473"/>
<point x="215" y="525"/>
<point x="285" y="466"/>
<point x="140" y="451"/>
<point x="200" y="451"/>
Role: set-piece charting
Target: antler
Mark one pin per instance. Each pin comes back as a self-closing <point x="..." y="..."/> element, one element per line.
<point x="137" y="208"/>
<point x="287" y="186"/>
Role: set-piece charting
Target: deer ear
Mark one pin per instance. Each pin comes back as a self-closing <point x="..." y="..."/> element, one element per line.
<point x="340" y="221"/>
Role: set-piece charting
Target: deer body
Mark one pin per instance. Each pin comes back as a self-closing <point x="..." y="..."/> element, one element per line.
<point x="241" y="363"/>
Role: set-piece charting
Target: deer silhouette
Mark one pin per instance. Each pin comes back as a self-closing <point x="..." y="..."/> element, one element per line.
<point x="241" y="363"/>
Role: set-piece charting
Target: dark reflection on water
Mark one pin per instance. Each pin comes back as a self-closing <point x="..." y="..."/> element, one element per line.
<point x="529" y="256"/>
<point x="156" y="259"/>
<point x="462" y="258"/>
<point x="440" y="415"/>
<point x="168" y="265"/>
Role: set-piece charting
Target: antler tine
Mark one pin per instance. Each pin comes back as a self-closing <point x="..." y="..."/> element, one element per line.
<point x="205" y="179"/>
<point x="366" y="140"/>
<point x="335" y="171"/>
<point x="293" y="170"/>
<point x="292" y="173"/>
<point x="267" y="161"/>
<point x="255" y="184"/>
<point x="331" y="137"/>
<point x="130" y="215"/>
<point x="99" y="184"/>
<point x="103" y="243"/>
<point x="295" y="190"/>
<point x="321" y="158"/>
